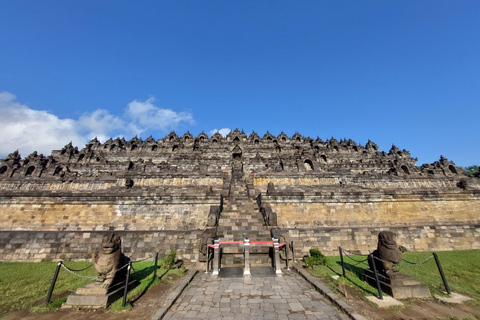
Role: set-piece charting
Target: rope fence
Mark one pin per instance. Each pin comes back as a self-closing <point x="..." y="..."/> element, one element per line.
<point x="128" y="265"/>
<point x="371" y="257"/>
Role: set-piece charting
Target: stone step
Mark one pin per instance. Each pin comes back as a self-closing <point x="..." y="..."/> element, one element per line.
<point x="242" y="222"/>
<point x="402" y="287"/>
<point x="229" y="260"/>
<point x="240" y="235"/>
<point x="236" y="228"/>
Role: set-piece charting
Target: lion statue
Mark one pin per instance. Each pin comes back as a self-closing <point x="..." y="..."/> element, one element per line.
<point x="389" y="253"/>
<point x="109" y="259"/>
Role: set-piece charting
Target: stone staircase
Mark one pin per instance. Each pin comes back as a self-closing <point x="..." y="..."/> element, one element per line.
<point x="240" y="219"/>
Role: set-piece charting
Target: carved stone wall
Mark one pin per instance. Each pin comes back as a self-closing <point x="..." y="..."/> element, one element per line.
<point x="168" y="186"/>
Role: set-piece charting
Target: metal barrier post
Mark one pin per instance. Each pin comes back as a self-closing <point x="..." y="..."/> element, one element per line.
<point x="276" y="253"/>
<point x="293" y="253"/>
<point x="216" y="257"/>
<point x="341" y="259"/>
<point x="126" y="285"/>
<point x="246" y="251"/>
<point x="156" y="263"/>
<point x="286" y="255"/>
<point x="442" y="274"/>
<point x="54" y="280"/>
<point x="380" y="295"/>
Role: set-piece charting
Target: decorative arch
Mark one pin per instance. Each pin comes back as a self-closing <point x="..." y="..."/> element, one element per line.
<point x="57" y="170"/>
<point x="175" y="148"/>
<point x="3" y="169"/>
<point x="452" y="169"/>
<point x="308" y="165"/>
<point x="405" y="169"/>
<point x="30" y="171"/>
<point x="237" y="153"/>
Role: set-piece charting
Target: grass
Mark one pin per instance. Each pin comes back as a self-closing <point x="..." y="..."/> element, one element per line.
<point x="460" y="268"/>
<point x="144" y="276"/>
<point x="25" y="285"/>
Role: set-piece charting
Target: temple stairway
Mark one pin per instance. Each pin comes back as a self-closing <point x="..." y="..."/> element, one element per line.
<point x="240" y="219"/>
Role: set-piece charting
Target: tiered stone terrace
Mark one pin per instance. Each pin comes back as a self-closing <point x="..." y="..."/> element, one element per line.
<point x="178" y="192"/>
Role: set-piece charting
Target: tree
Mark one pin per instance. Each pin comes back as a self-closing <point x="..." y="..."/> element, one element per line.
<point x="472" y="171"/>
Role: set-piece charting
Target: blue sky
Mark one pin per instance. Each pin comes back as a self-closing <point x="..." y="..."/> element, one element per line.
<point x="401" y="72"/>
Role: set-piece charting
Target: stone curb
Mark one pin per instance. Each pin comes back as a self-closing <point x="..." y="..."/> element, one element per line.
<point x="325" y="291"/>
<point x="173" y="296"/>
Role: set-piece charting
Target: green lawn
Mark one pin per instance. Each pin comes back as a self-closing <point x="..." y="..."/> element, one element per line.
<point x="25" y="285"/>
<point x="460" y="267"/>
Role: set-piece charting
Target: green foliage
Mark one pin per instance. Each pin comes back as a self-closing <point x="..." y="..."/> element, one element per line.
<point x="170" y="260"/>
<point x="25" y="285"/>
<point x="471" y="171"/>
<point x="460" y="268"/>
<point x="144" y="276"/>
<point x="316" y="259"/>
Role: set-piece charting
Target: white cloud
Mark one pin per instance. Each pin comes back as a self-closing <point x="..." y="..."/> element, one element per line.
<point x="150" y="117"/>
<point x="32" y="130"/>
<point x="223" y="132"/>
<point x="29" y="130"/>
<point x="101" y="123"/>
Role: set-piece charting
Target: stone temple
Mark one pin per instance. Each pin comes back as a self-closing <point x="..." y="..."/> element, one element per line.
<point x="181" y="192"/>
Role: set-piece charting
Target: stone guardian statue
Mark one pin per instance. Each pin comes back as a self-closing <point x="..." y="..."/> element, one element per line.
<point x="389" y="253"/>
<point x="109" y="259"/>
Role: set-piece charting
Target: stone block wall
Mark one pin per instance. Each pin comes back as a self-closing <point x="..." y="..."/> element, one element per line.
<point x="304" y="210"/>
<point x="363" y="240"/>
<point x="111" y="212"/>
<point x="35" y="246"/>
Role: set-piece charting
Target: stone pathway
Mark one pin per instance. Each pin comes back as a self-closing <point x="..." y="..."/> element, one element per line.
<point x="259" y="296"/>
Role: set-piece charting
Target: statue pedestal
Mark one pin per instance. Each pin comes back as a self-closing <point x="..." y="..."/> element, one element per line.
<point x="402" y="287"/>
<point x="93" y="295"/>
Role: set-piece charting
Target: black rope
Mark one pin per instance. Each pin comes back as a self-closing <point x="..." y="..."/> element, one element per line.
<point x="359" y="261"/>
<point x="79" y="269"/>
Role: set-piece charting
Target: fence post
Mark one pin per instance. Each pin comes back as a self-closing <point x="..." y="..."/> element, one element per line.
<point x="246" y="252"/>
<point x="216" y="257"/>
<point x="293" y="253"/>
<point x="54" y="280"/>
<point x="286" y="255"/>
<point x="372" y="258"/>
<point x="126" y="285"/>
<point x="276" y="256"/>
<point x="341" y="259"/>
<point x="441" y="273"/>
<point x="156" y="263"/>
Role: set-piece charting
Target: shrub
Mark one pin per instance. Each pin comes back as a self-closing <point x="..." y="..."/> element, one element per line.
<point x="316" y="258"/>
<point x="170" y="260"/>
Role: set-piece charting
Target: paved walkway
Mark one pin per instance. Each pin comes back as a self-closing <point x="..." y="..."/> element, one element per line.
<point x="260" y="296"/>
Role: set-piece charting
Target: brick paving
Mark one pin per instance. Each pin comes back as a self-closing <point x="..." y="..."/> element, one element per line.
<point x="257" y="297"/>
